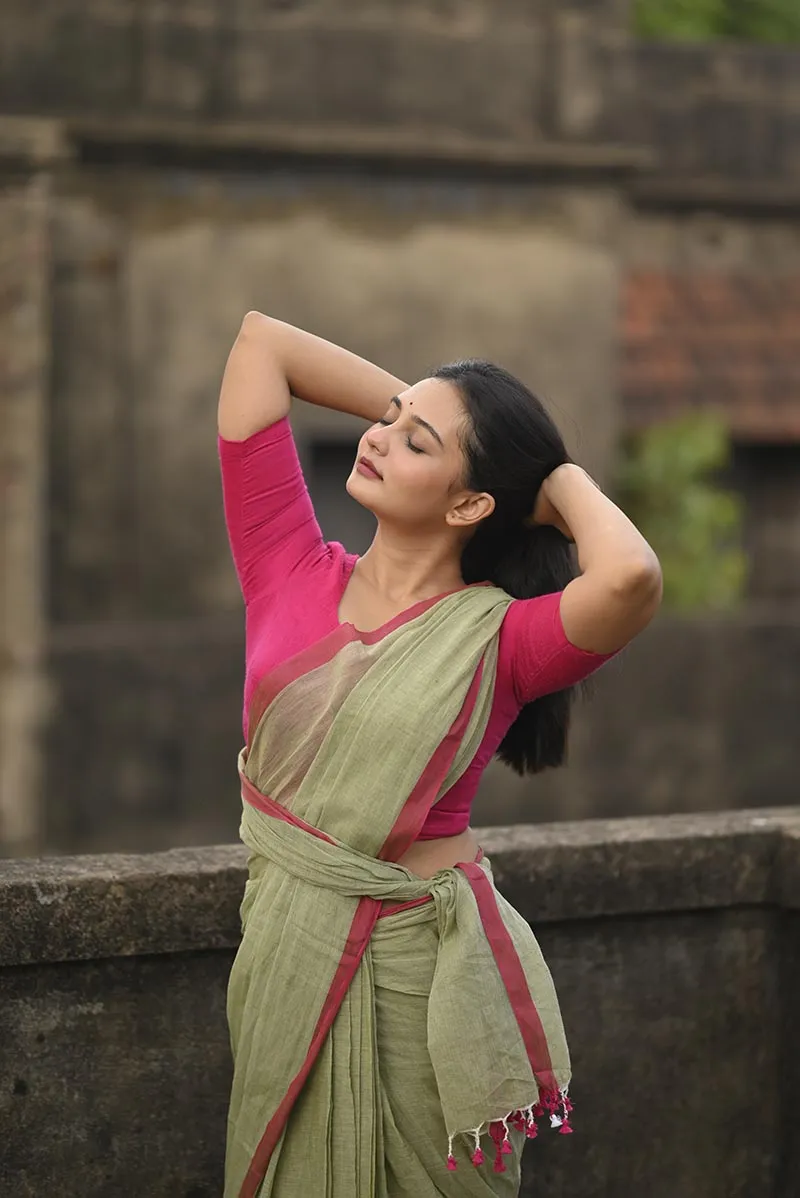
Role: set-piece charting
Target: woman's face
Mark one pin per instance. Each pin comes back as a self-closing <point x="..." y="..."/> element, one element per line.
<point x="417" y="452"/>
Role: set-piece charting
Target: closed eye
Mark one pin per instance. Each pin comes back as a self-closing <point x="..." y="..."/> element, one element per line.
<point x="396" y="402"/>
<point x="409" y="443"/>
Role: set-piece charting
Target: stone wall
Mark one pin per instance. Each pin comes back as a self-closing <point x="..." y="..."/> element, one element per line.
<point x="722" y="120"/>
<point x="504" y="80"/>
<point x="673" y="944"/>
<point x="433" y="78"/>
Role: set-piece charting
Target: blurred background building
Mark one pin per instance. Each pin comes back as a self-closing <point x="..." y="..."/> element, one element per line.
<point x="614" y="217"/>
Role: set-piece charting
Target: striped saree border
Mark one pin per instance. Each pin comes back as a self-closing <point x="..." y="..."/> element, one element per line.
<point x="366" y="916"/>
<point x="513" y="977"/>
<point x="423" y="796"/>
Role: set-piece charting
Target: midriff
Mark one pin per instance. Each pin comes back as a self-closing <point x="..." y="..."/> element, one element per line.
<point x="427" y="857"/>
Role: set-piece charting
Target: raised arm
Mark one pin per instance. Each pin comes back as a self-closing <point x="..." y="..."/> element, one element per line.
<point x="271" y="361"/>
<point x="619" y="589"/>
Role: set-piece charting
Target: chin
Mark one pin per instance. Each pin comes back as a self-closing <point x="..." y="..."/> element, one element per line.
<point x="351" y="486"/>
<point x="354" y="491"/>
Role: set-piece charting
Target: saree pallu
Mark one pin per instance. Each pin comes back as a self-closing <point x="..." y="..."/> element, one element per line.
<point x="382" y="1024"/>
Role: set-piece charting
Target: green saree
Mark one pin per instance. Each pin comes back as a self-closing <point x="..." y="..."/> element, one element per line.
<point x="386" y="1029"/>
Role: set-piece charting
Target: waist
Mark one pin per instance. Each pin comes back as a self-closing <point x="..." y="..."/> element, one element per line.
<point x="313" y="855"/>
<point x="426" y="857"/>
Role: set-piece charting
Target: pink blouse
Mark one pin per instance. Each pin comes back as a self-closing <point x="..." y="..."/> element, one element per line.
<point x="292" y="582"/>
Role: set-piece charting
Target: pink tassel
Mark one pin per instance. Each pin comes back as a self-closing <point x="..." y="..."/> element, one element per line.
<point x="477" y="1157"/>
<point x="451" y="1163"/>
<point x="566" y="1106"/>
<point x="532" y="1131"/>
<point x="499" y="1167"/>
<point x="506" y="1148"/>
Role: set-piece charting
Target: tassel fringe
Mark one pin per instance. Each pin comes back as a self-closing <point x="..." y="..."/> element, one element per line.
<point x="555" y="1104"/>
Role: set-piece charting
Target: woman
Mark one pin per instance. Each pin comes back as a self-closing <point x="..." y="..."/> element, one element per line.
<point x="395" y="1030"/>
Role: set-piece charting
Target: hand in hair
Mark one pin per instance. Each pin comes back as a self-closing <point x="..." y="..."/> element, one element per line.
<point x="619" y="588"/>
<point x="545" y="511"/>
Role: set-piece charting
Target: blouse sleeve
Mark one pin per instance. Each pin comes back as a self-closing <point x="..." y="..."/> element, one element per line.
<point x="542" y="659"/>
<point x="268" y="511"/>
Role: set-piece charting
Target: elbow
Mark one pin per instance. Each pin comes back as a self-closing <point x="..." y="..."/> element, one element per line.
<point x="253" y="324"/>
<point x="256" y="329"/>
<point x="640" y="585"/>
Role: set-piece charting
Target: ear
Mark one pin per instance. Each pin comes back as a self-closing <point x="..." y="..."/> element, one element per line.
<point x="469" y="511"/>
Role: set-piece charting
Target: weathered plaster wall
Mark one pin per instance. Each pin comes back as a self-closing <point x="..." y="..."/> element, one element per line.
<point x="419" y="181"/>
<point x="24" y="366"/>
<point x="150" y="284"/>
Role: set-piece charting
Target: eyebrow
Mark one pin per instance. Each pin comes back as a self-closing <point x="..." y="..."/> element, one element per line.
<point x="418" y="420"/>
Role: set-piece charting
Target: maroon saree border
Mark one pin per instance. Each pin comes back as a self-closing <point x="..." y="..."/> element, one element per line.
<point x="264" y="803"/>
<point x="423" y="796"/>
<point x="366" y="916"/>
<point x="513" y="976"/>
<point x="270" y="807"/>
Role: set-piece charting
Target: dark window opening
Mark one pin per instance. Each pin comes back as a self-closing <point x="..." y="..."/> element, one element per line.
<point x="768" y="479"/>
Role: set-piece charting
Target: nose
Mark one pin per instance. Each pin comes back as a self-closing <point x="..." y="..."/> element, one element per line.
<point x="375" y="441"/>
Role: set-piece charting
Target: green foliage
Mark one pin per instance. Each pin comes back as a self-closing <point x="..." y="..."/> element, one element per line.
<point x="751" y="20"/>
<point x="679" y="18"/>
<point x="666" y="485"/>
<point x="766" y="20"/>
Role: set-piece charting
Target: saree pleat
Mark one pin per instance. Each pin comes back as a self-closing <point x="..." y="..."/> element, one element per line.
<point x="374" y="1091"/>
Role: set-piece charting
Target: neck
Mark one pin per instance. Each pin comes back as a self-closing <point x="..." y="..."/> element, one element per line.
<point x="402" y="566"/>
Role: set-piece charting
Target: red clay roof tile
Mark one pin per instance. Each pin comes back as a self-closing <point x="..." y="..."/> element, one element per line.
<point x="729" y="343"/>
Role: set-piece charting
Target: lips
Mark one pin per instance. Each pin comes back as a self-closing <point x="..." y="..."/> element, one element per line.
<point x="367" y="464"/>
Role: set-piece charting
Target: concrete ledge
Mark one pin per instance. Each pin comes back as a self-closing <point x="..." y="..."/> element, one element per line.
<point x="95" y="907"/>
<point x="432" y="148"/>
<point x="679" y="190"/>
<point x="116" y="905"/>
<point x="598" y="868"/>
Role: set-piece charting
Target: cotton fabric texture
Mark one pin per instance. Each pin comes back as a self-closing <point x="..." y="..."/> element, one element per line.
<point x="374" y="1015"/>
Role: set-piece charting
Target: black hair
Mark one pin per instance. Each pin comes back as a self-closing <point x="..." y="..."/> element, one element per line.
<point x="510" y="445"/>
